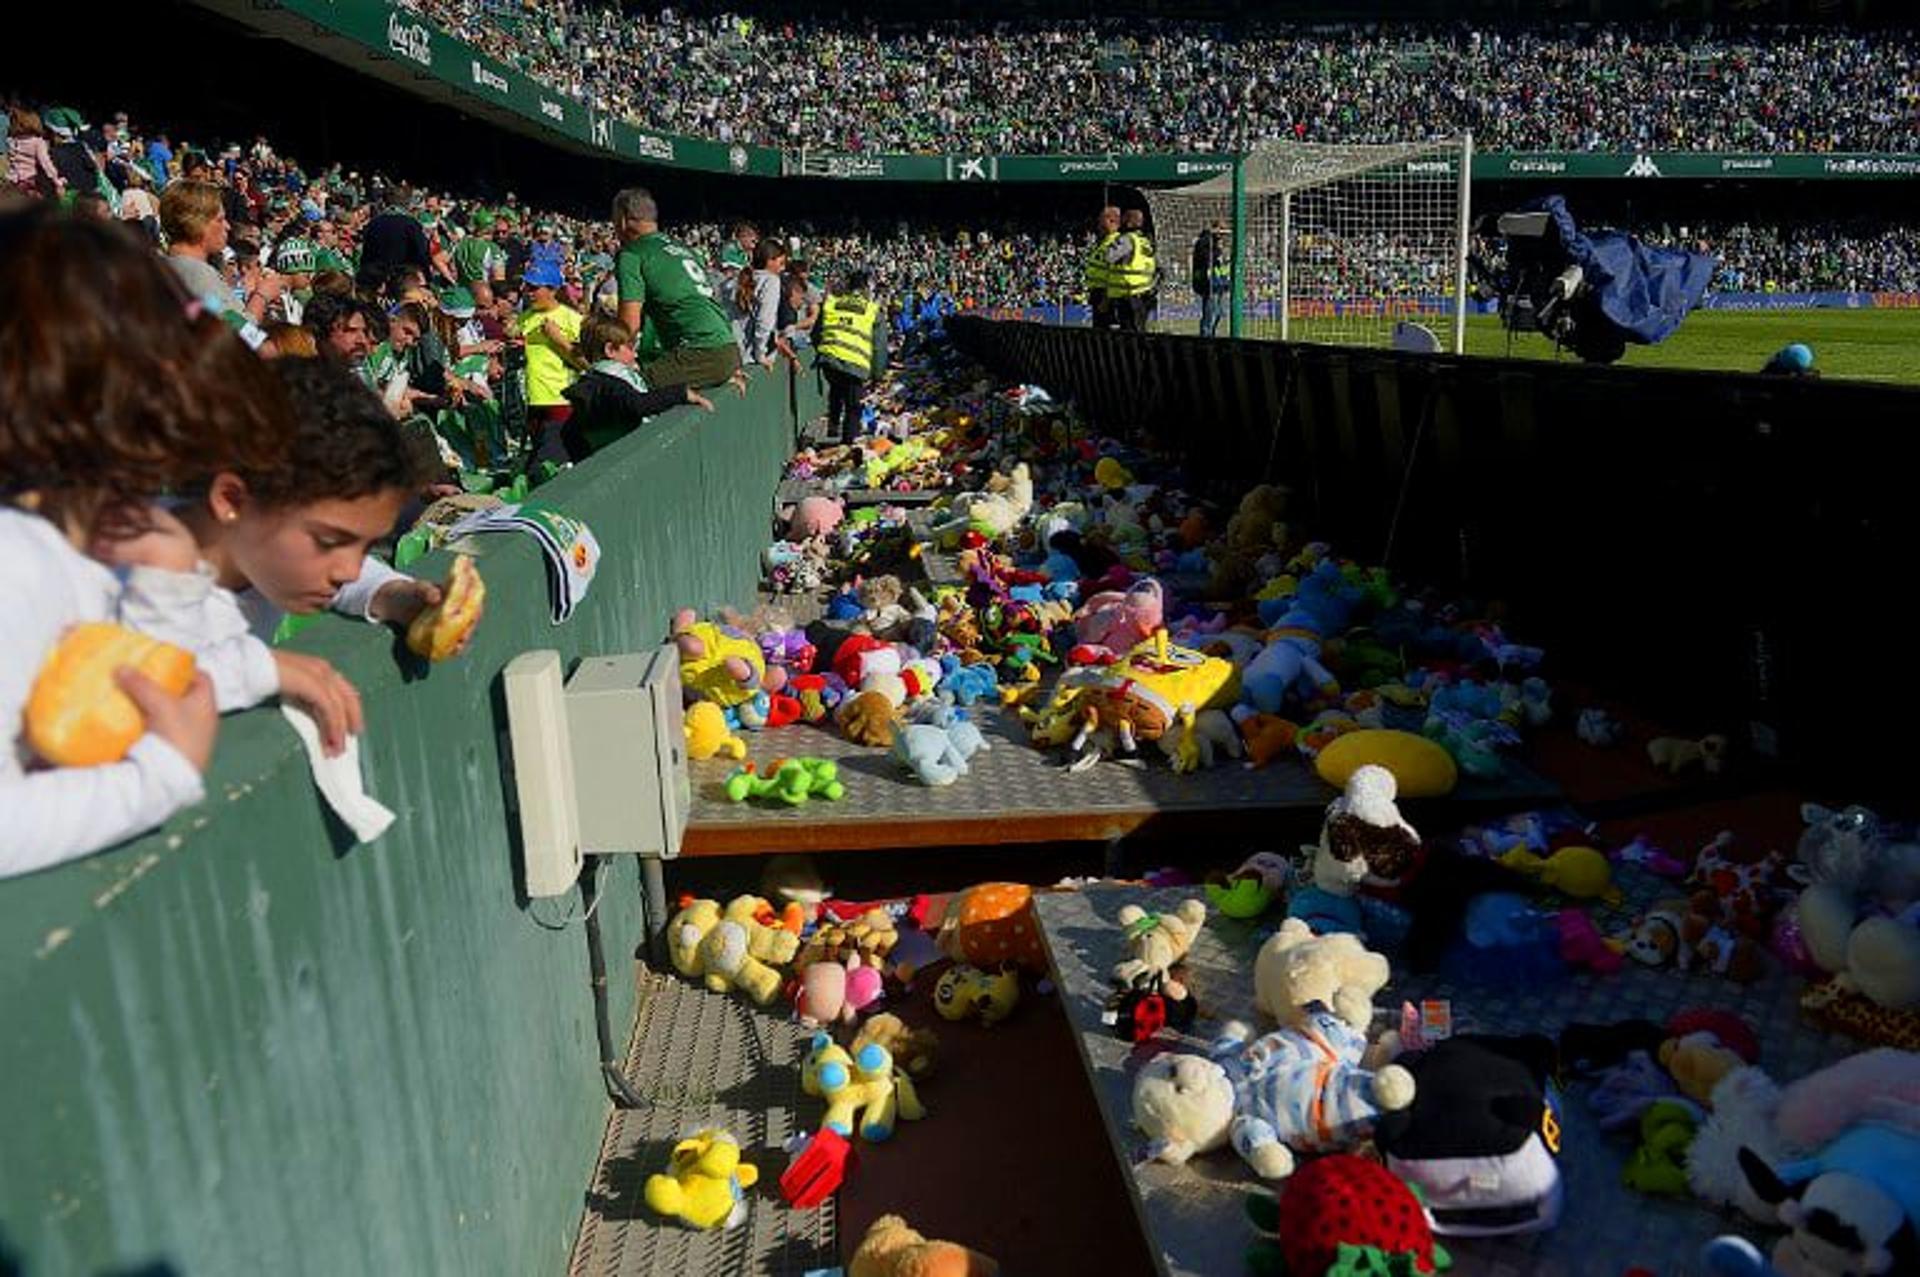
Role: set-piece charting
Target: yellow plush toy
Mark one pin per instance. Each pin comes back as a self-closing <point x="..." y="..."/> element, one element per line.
<point x="1421" y="768"/>
<point x="717" y="664"/>
<point x="1580" y="872"/>
<point x="864" y="1081"/>
<point x="707" y="734"/>
<point x="704" y="1182"/>
<point x="730" y="950"/>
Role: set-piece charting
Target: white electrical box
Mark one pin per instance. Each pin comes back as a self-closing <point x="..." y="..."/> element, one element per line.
<point x="543" y="779"/>
<point x="629" y="753"/>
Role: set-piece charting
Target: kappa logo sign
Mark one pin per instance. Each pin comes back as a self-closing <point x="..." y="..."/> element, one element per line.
<point x="409" y="40"/>
<point x="1643" y="166"/>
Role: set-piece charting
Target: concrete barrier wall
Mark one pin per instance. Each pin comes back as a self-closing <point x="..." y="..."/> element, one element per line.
<point x="1715" y="544"/>
<point x="243" y="1045"/>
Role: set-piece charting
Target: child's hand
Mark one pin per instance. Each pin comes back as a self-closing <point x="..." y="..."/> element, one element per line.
<point x="189" y="722"/>
<point x="398" y="602"/>
<point x="324" y="692"/>
<point x="699" y="400"/>
<point x="739" y="381"/>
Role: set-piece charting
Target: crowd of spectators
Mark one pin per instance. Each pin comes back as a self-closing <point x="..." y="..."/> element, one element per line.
<point x="855" y="85"/>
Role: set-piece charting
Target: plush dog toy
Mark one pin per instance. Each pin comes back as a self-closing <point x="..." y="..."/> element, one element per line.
<point x="1297" y="1089"/>
<point x="1674" y="755"/>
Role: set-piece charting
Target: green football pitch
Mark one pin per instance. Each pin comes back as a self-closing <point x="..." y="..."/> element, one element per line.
<point x="1878" y="345"/>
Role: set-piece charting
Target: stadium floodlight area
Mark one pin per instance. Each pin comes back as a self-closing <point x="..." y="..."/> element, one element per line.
<point x="1333" y="244"/>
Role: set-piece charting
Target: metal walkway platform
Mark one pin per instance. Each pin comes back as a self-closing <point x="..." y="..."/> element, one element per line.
<point x="1014" y="794"/>
<point x="1192" y="1215"/>
<point x="704" y="1059"/>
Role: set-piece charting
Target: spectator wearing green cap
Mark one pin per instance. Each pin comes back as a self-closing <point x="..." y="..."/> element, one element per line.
<point x="477" y="261"/>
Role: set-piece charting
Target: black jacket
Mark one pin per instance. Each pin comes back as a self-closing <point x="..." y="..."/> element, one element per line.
<point x="605" y="408"/>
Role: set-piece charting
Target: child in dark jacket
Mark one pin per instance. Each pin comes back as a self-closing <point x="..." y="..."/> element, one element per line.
<point x="611" y="397"/>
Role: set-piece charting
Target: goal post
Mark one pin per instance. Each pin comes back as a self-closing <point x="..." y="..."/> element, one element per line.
<point x="1334" y="244"/>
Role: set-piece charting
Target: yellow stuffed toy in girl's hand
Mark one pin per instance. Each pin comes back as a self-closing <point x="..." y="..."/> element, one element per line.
<point x="717" y="664"/>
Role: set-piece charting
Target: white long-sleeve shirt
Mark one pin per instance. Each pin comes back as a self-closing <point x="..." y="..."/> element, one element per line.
<point x="52" y="815"/>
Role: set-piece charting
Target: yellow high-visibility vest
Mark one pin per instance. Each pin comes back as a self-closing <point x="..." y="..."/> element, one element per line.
<point x="1134" y="276"/>
<point x="1099" y="272"/>
<point x="846" y="332"/>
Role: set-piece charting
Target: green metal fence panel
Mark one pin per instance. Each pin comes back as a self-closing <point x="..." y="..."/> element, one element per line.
<point x="244" y="1045"/>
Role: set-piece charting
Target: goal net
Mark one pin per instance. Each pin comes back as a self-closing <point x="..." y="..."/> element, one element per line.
<point x="1341" y="243"/>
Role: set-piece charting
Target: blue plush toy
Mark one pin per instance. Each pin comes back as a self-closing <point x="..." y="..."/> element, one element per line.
<point x="1290" y="663"/>
<point x="967" y="683"/>
<point x="937" y="755"/>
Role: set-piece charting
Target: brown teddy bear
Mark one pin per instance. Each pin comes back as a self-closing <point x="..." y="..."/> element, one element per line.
<point x="893" y="1249"/>
<point x="867" y="719"/>
<point x="917" y="1051"/>
<point x="1254" y="529"/>
<point x="868" y="940"/>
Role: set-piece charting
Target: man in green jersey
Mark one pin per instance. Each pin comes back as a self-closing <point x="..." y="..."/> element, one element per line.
<point x="663" y="282"/>
<point x="477" y="262"/>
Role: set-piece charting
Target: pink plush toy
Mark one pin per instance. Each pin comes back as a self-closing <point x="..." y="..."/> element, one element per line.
<point x="1878" y="1085"/>
<point x="1582" y="945"/>
<point x="1121" y="622"/>
<point x="814" y="517"/>
<point x="831" y="993"/>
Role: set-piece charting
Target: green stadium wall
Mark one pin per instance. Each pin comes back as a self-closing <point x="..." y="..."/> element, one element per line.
<point x="244" y="1045"/>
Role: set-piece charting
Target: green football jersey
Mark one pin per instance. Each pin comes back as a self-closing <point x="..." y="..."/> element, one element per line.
<point x="671" y="286"/>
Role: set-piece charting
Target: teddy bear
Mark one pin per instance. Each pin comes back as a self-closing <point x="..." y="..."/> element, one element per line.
<point x="729" y="949"/>
<point x="866" y="940"/>
<point x="991" y="514"/>
<point x="882" y="611"/>
<point x="867" y="719"/>
<point x="1156" y="942"/>
<point x="917" y="1051"/>
<point x="1296" y="968"/>
<point x="704" y="1182"/>
<point x="1254" y="529"/>
<point x="1301" y="1088"/>
<point x="892" y="1249"/>
<point x="936" y="755"/>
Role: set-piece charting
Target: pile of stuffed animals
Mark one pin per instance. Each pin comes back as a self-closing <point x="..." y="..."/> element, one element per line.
<point x="1459" y="1135"/>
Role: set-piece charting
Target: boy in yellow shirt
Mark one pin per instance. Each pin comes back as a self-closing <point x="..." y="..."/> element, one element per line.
<point x="552" y="333"/>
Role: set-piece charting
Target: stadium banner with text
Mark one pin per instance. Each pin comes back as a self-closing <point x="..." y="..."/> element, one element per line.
<point x="1693" y="165"/>
<point x="1008" y="168"/>
<point x="393" y="32"/>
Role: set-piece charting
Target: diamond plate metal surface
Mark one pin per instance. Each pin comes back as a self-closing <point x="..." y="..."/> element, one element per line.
<point x="704" y="1059"/>
<point x="1193" y="1213"/>
<point x="1014" y="784"/>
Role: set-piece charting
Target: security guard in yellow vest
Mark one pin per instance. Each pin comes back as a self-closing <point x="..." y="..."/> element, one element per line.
<point x="1136" y="275"/>
<point x="850" y="342"/>
<point x="1100" y="258"/>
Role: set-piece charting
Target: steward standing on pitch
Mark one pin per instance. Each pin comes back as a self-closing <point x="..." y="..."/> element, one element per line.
<point x="851" y="349"/>
<point x="1133" y="274"/>
<point x="1101" y="257"/>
